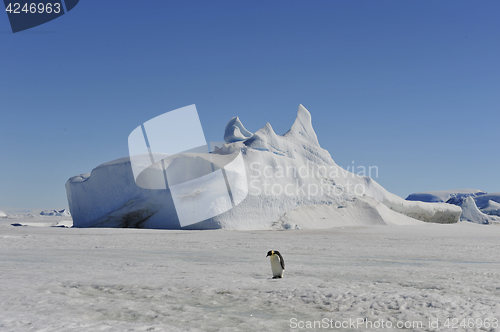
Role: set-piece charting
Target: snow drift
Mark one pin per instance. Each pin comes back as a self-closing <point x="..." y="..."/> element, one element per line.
<point x="292" y="182"/>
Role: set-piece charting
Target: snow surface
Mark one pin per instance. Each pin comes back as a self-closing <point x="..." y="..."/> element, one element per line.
<point x="40" y="220"/>
<point x="444" y="195"/>
<point x="284" y="173"/>
<point x="74" y="279"/>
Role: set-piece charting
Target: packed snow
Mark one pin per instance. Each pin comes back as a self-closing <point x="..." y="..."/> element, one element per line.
<point x="109" y="279"/>
<point x="284" y="173"/>
<point x="39" y="220"/>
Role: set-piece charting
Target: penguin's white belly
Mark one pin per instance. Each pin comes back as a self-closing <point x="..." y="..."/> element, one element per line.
<point x="276" y="266"/>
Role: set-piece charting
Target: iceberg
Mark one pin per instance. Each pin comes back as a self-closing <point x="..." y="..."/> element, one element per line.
<point x="56" y="213"/>
<point x="444" y="195"/>
<point x="3" y="214"/>
<point x="470" y="212"/>
<point x="491" y="208"/>
<point x="477" y="206"/>
<point x="292" y="183"/>
<point x="489" y="203"/>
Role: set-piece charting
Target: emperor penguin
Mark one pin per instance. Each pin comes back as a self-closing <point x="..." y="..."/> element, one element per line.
<point x="277" y="263"/>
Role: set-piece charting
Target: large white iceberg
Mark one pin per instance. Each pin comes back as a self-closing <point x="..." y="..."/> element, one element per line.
<point x="3" y="214"/>
<point x="292" y="183"/>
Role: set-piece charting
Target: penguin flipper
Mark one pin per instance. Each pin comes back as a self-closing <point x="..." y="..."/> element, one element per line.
<point x="282" y="261"/>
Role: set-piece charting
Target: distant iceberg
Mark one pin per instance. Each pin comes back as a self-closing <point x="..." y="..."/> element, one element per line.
<point x="477" y="206"/>
<point x="489" y="203"/>
<point x="292" y="182"/>
<point x="444" y="195"/>
<point x="55" y="213"/>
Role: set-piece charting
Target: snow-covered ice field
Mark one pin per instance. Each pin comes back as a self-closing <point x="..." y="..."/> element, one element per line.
<point x="69" y="279"/>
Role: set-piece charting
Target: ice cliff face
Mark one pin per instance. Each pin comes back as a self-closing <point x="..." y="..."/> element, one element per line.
<point x="292" y="183"/>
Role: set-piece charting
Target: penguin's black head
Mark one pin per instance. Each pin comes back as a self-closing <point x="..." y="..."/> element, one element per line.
<point x="270" y="253"/>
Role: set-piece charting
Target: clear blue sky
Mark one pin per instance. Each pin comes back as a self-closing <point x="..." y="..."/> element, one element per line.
<point x="412" y="87"/>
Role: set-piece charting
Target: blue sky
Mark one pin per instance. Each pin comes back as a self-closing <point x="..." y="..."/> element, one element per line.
<point x="412" y="87"/>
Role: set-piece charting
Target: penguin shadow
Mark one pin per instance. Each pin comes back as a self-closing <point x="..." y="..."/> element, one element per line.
<point x="261" y="276"/>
